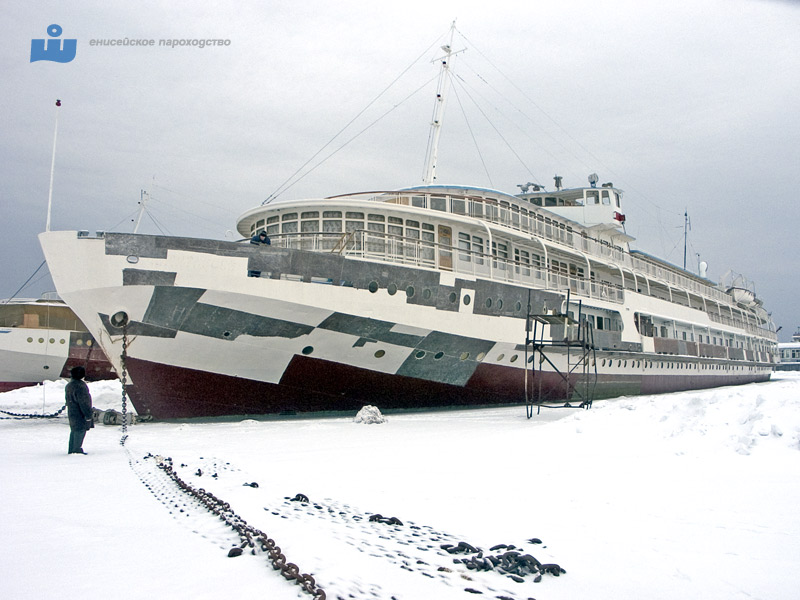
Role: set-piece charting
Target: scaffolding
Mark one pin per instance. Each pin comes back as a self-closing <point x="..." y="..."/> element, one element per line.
<point x="570" y="339"/>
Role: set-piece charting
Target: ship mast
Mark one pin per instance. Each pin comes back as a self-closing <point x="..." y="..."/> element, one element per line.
<point x="438" y="110"/>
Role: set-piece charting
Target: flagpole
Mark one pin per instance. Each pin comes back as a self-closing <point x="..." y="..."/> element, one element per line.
<point x="52" y="170"/>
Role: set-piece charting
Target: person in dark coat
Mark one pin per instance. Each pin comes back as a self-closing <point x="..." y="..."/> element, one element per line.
<point x="79" y="409"/>
<point x="260" y="238"/>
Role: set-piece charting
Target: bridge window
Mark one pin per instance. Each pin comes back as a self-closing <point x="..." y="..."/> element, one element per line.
<point x="439" y="203"/>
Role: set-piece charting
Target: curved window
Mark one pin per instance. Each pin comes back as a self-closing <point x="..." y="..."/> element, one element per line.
<point x="373" y="286"/>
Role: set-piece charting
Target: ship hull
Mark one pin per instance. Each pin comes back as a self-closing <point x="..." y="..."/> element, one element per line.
<point x="197" y="336"/>
<point x="29" y="356"/>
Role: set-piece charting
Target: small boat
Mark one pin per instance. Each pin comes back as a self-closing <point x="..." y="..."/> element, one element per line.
<point x="41" y="340"/>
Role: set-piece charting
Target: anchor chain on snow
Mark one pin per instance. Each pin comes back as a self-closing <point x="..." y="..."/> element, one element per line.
<point x="13" y="415"/>
<point x="250" y="537"/>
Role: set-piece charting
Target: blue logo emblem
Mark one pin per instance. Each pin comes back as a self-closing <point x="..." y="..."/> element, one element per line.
<point x="52" y="50"/>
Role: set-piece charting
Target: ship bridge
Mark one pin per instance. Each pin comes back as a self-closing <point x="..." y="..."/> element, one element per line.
<point x="593" y="207"/>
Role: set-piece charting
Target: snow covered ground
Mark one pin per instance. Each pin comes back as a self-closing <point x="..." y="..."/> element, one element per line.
<point x="689" y="495"/>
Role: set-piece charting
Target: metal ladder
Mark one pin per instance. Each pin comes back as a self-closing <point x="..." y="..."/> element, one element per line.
<point x="577" y="345"/>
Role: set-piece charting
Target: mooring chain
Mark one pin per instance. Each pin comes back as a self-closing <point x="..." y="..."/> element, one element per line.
<point x="250" y="537"/>
<point x="124" y="378"/>
<point x="13" y="415"/>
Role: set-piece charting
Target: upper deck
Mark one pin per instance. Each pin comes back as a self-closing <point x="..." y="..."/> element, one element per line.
<point x="584" y="222"/>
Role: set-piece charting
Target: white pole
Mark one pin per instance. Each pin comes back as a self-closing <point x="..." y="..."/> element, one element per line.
<point x="438" y="113"/>
<point x="52" y="170"/>
<point x="143" y="197"/>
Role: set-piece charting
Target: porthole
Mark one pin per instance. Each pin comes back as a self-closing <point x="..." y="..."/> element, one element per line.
<point x="426" y="293"/>
<point x="488" y="303"/>
<point x="226" y="334"/>
<point x="518" y="306"/>
<point x="514" y="358"/>
<point x="308" y="350"/>
<point x="501" y="357"/>
<point x="467" y="300"/>
<point x="619" y="363"/>
<point x="392" y="289"/>
<point x="380" y="353"/>
<point x="464" y="355"/>
<point x="132" y="259"/>
<point x="373" y="286"/>
<point x="603" y="363"/>
<point x="438" y="355"/>
<point x="410" y="291"/>
<point x="79" y="343"/>
<point x="530" y="358"/>
<point x="480" y="356"/>
<point x="52" y="340"/>
<point x="420" y="354"/>
<point x="45" y="367"/>
<point x="41" y="340"/>
<point x="500" y="304"/>
<point x="453" y="297"/>
<point x="626" y="364"/>
<point x="30" y="339"/>
<point x="89" y="342"/>
<point x="62" y="341"/>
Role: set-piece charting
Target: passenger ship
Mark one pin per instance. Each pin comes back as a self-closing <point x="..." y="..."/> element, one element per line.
<point x="428" y="296"/>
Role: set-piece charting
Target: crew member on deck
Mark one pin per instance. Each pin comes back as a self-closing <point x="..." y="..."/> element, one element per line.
<point x="261" y="238"/>
<point x="258" y="239"/>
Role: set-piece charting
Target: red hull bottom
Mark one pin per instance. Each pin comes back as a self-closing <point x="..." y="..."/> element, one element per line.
<point x="7" y="386"/>
<point x="168" y="392"/>
<point x="312" y="385"/>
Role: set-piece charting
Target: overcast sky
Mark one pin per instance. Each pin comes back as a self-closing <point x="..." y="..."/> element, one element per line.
<point x="686" y="106"/>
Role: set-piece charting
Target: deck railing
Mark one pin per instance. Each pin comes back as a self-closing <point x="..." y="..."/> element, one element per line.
<point x="400" y="250"/>
<point x="371" y="245"/>
<point x="552" y="229"/>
